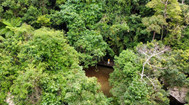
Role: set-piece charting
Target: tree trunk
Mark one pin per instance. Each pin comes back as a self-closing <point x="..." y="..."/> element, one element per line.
<point x="165" y="10"/>
<point x="154" y="35"/>
<point x="162" y="33"/>
<point x="183" y="1"/>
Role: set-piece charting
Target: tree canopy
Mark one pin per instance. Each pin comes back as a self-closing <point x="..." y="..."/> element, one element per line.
<point x="45" y="46"/>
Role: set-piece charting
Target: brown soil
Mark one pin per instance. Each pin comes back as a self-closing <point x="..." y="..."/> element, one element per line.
<point x="102" y="74"/>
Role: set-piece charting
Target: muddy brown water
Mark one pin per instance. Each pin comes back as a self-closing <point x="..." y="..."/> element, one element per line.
<point x="102" y="75"/>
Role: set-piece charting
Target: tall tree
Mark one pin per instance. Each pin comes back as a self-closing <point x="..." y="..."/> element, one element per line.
<point x="154" y="24"/>
<point x="171" y="11"/>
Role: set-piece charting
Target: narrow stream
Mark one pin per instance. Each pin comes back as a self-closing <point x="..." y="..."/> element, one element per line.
<point x="102" y="74"/>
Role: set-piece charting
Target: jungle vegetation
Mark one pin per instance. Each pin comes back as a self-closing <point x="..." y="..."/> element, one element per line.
<point x="46" y="44"/>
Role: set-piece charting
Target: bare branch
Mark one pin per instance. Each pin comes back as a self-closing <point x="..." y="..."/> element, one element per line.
<point x="183" y="1"/>
<point x="151" y="82"/>
<point x="143" y="52"/>
<point x="162" y="1"/>
<point x="149" y="57"/>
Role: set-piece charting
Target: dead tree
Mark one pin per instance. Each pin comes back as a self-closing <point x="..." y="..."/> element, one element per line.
<point x="148" y="53"/>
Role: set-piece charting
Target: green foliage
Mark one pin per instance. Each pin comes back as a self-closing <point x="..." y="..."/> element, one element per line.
<point x="125" y="70"/>
<point x="31" y="15"/>
<point x="71" y="12"/>
<point x="91" y="47"/>
<point x="137" y="31"/>
<point x="112" y="23"/>
<point x="183" y="44"/>
<point x="44" y="70"/>
<point x="129" y="88"/>
<point x="181" y="60"/>
<point x="43" y="65"/>
<point x="28" y="10"/>
<point x="41" y="51"/>
<point x="163" y="64"/>
<point x="9" y="62"/>
<point x="174" y="14"/>
<point x="185" y="13"/>
<point x="43" y="20"/>
<point x="137" y="90"/>
<point x="154" y="23"/>
<point x="7" y="74"/>
<point x="177" y="68"/>
<point x="59" y="2"/>
<point x="125" y="66"/>
<point x="114" y="34"/>
<point x="1" y="10"/>
<point x="87" y="42"/>
<point x="169" y="9"/>
<point x="121" y="23"/>
<point x="6" y="29"/>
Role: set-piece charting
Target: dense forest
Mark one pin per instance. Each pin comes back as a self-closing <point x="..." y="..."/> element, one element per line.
<point x="45" y="45"/>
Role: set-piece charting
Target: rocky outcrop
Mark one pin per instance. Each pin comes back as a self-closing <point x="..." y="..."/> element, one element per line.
<point x="9" y="99"/>
<point x="179" y="93"/>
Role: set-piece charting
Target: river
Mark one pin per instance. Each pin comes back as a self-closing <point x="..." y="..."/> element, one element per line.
<point x="102" y="75"/>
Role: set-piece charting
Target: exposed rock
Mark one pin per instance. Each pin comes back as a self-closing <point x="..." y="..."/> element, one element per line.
<point x="179" y="93"/>
<point x="9" y="99"/>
